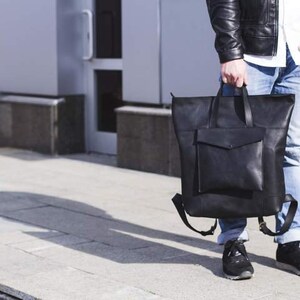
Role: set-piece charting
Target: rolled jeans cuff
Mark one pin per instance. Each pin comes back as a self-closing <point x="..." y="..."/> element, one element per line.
<point x="292" y="235"/>
<point x="233" y="234"/>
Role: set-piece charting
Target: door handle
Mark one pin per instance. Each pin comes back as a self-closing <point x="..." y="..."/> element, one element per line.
<point x="90" y="34"/>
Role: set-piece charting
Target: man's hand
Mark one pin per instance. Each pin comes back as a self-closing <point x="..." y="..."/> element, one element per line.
<point x="234" y="72"/>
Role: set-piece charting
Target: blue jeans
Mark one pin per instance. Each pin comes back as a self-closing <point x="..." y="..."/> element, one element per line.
<point x="269" y="80"/>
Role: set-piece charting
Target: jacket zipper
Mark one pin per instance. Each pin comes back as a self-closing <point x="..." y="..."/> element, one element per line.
<point x="276" y="27"/>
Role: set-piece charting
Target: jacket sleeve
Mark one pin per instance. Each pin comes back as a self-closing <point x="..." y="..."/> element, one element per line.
<point x="225" y="19"/>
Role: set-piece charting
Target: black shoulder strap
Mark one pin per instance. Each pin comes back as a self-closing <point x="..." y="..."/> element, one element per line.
<point x="177" y="200"/>
<point x="288" y="220"/>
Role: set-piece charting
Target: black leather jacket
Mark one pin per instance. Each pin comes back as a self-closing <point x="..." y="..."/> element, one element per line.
<point x="244" y="26"/>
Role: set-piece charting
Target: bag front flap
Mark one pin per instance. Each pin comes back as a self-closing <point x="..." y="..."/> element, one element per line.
<point x="230" y="138"/>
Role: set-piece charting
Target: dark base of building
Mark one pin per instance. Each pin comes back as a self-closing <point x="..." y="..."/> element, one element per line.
<point x="45" y="125"/>
<point x="145" y="136"/>
<point x="146" y="140"/>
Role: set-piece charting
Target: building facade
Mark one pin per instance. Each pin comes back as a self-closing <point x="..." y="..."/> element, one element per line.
<point x="91" y="56"/>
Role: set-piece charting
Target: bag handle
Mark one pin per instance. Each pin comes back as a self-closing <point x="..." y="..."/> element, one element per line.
<point x="177" y="200"/>
<point x="215" y="107"/>
<point x="288" y="220"/>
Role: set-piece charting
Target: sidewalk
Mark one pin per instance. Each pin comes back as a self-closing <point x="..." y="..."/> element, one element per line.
<point x="74" y="228"/>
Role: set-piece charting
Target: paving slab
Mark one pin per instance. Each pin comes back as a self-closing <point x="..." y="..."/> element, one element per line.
<point x="18" y="264"/>
<point x="8" y="203"/>
<point x="27" y="235"/>
<point x="75" y="227"/>
<point x="72" y="284"/>
<point x="40" y="244"/>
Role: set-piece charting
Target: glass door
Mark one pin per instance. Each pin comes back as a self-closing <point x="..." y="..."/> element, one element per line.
<point x="103" y="72"/>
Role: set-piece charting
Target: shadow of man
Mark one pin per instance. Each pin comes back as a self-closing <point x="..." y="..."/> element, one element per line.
<point x="107" y="237"/>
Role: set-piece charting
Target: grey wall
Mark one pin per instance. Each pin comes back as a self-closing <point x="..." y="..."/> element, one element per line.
<point x="39" y="47"/>
<point x="70" y="47"/>
<point x="168" y="45"/>
<point x="190" y="66"/>
<point x="141" y="50"/>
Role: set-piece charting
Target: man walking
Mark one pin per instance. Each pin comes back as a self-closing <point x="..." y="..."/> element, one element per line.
<point x="258" y="43"/>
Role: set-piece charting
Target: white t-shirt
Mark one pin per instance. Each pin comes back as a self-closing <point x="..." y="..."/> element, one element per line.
<point x="288" y="33"/>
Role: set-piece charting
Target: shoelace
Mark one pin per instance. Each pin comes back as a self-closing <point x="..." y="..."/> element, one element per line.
<point x="237" y="247"/>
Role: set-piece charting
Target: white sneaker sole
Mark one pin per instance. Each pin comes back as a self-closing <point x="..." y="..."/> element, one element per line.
<point x="244" y="275"/>
<point x="287" y="267"/>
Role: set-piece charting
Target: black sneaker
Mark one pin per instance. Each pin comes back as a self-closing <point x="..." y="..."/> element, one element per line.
<point x="236" y="264"/>
<point x="288" y="257"/>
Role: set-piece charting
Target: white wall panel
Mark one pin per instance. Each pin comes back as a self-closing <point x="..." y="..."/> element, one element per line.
<point x="141" y="50"/>
<point x="40" y="42"/>
<point x="189" y="62"/>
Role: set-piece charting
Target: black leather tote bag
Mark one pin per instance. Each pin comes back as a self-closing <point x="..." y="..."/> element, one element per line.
<point x="231" y="152"/>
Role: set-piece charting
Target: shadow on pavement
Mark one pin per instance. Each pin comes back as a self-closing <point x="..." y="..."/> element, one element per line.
<point x="104" y="236"/>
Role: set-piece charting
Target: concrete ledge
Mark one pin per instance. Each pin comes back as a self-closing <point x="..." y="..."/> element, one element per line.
<point x="32" y="100"/>
<point x="45" y="125"/>
<point x="146" y="140"/>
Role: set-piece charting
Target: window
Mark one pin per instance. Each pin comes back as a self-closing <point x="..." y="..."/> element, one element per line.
<point x="109" y="85"/>
<point x="108" y="29"/>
